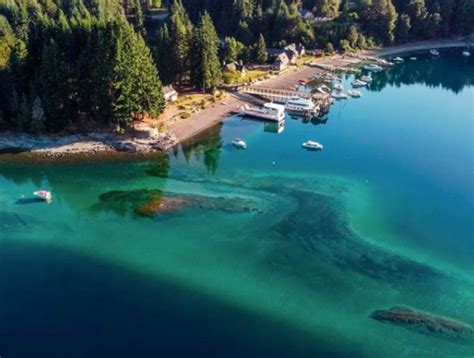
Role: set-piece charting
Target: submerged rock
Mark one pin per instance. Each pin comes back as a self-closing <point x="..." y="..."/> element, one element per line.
<point x="149" y="203"/>
<point x="424" y="322"/>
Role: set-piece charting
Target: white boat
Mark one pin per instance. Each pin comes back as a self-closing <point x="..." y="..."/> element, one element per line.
<point x="324" y="89"/>
<point x="384" y="63"/>
<point x="301" y="106"/>
<point x="239" y="143"/>
<point x="398" y="60"/>
<point x="270" y="112"/>
<point x="413" y="58"/>
<point x="434" y="52"/>
<point x="43" y="195"/>
<point x="354" y="93"/>
<point x="310" y="144"/>
<point x="373" y="67"/>
<point x="339" y="95"/>
<point x="339" y="87"/>
<point x="466" y="53"/>
<point x="359" y="83"/>
<point x="366" y="79"/>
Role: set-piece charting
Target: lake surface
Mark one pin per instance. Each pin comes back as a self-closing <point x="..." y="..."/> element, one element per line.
<point x="269" y="251"/>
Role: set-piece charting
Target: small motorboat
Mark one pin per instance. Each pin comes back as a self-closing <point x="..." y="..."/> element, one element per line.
<point x="434" y="52"/>
<point x="339" y="87"/>
<point x="239" y="143"/>
<point x="43" y="195"/>
<point x="413" y="58"/>
<point x="312" y="145"/>
<point x="384" y="63"/>
<point x="366" y="79"/>
<point x="398" y="60"/>
<point x="466" y="53"/>
<point x="354" y="93"/>
<point x="373" y="67"/>
<point x="339" y="95"/>
<point x="359" y="83"/>
<point x="324" y="89"/>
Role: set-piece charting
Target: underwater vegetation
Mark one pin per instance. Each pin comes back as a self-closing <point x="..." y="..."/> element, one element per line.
<point x="424" y="322"/>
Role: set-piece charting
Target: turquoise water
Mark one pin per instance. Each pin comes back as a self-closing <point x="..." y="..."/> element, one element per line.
<point x="269" y="251"/>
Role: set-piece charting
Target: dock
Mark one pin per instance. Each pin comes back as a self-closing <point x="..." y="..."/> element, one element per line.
<point x="282" y="95"/>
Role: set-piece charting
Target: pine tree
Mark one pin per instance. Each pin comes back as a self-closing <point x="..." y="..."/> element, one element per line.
<point x="136" y="84"/>
<point x="180" y="31"/>
<point x="163" y="59"/>
<point x="206" y="70"/>
<point x="261" y="54"/>
<point x="53" y="88"/>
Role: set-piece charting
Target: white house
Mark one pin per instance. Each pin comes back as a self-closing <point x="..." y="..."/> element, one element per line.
<point x="170" y="94"/>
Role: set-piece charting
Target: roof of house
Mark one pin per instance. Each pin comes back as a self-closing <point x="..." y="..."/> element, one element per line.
<point x="283" y="58"/>
<point x="169" y="90"/>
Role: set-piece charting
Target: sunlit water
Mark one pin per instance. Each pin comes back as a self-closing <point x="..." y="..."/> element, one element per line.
<point x="272" y="250"/>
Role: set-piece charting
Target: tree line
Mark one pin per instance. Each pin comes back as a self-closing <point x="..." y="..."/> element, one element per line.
<point x="74" y="65"/>
<point x="77" y="63"/>
<point x="352" y="24"/>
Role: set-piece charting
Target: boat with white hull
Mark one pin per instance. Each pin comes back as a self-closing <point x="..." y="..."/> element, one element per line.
<point x="359" y="83"/>
<point x="269" y="111"/>
<point x="312" y="145"/>
<point x="339" y="95"/>
<point x="373" y="67"/>
<point x="354" y="93"/>
<point x="302" y="107"/>
<point x="44" y="195"/>
<point x="239" y="143"/>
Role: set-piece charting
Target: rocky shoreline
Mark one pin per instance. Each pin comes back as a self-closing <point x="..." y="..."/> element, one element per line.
<point x="142" y="141"/>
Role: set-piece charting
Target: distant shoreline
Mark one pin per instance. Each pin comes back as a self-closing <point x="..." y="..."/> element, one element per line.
<point x="100" y="145"/>
<point x="417" y="46"/>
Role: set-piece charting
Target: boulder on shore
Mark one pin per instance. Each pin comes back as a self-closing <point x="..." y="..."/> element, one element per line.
<point x="424" y="322"/>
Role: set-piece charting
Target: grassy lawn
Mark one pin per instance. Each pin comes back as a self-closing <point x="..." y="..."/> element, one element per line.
<point x="189" y="104"/>
<point x="235" y="77"/>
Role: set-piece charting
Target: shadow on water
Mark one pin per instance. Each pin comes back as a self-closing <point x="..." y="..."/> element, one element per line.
<point x="28" y="201"/>
<point x="62" y="304"/>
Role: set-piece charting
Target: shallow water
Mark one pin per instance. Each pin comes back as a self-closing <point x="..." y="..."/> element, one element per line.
<point x="271" y="251"/>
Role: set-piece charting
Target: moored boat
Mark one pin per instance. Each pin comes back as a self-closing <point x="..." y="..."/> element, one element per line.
<point x="359" y="83"/>
<point x="43" y="195"/>
<point x="301" y="107"/>
<point x="366" y="79"/>
<point x="384" y="63"/>
<point x="373" y="67"/>
<point x="434" y="52"/>
<point x="239" y="143"/>
<point x="354" y="93"/>
<point x="339" y="87"/>
<point x="269" y="111"/>
<point x="312" y="145"/>
<point x="339" y="95"/>
<point x="324" y="89"/>
<point x="398" y="60"/>
<point x="413" y="58"/>
<point x="466" y="53"/>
